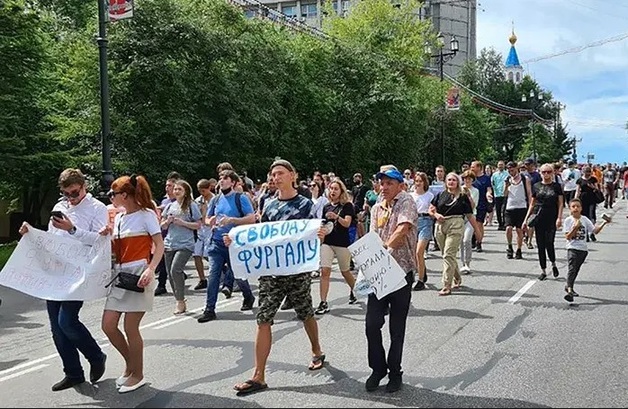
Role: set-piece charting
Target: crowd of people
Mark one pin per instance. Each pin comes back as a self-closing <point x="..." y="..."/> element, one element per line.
<point x="153" y="242"/>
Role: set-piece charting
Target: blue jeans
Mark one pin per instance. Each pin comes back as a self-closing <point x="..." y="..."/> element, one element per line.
<point x="70" y="336"/>
<point x="217" y="257"/>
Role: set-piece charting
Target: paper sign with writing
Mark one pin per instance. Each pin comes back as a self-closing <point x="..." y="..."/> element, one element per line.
<point x="379" y="267"/>
<point x="58" y="268"/>
<point x="275" y="248"/>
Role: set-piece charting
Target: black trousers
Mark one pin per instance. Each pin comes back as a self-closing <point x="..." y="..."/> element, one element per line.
<point x="499" y="209"/>
<point x="575" y="259"/>
<point x="399" y="304"/>
<point x="545" y="234"/>
<point x="162" y="274"/>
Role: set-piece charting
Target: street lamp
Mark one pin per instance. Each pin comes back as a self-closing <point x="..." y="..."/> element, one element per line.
<point x="107" y="171"/>
<point x="533" y="105"/>
<point x="441" y="58"/>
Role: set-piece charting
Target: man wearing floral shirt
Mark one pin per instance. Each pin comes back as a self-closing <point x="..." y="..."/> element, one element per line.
<point x="394" y="220"/>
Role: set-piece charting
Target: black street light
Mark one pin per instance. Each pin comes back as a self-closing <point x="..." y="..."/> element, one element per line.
<point x="107" y="171"/>
<point x="441" y="58"/>
<point x="533" y="105"/>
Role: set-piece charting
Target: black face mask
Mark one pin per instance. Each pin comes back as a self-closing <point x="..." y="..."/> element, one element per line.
<point x="226" y="191"/>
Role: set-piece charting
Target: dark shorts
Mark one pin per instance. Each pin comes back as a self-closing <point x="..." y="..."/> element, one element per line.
<point x="515" y="217"/>
<point x="480" y="216"/>
<point x="273" y="289"/>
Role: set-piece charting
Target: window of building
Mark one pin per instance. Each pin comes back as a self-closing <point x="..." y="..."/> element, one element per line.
<point x="309" y="10"/>
<point x="334" y="5"/>
<point x="249" y="13"/>
<point x="518" y="76"/>
<point x="510" y="76"/>
<point x="346" y="4"/>
<point x="290" y="11"/>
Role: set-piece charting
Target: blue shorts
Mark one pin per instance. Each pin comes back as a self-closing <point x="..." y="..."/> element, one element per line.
<point x="424" y="227"/>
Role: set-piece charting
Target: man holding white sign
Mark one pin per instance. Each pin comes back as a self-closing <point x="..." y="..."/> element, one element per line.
<point x="394" y="220"/>
<point x="287" y="206"/>
<point x="80" y="216"/>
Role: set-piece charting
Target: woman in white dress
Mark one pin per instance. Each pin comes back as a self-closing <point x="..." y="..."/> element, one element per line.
<point x="138" y="247"/>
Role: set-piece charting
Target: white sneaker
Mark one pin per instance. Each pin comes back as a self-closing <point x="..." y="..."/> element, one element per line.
<point x="465" y="269"/>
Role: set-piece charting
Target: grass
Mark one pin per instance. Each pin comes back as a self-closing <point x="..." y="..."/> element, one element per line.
<point x="5" y="252"/>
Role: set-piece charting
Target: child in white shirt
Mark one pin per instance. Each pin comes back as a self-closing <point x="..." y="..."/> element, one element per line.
<point x="577" y="228"/>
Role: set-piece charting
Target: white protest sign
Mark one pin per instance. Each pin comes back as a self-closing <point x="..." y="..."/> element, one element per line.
<point x="57" y="268"/>
<point x="275" y="248"/>
<point x="379" y="267"/>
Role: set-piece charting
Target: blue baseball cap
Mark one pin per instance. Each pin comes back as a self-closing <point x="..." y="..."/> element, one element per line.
<point x="392" y="174"/>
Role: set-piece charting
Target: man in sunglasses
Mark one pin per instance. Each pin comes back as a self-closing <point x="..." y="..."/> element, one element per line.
<point x="81" y="216"/>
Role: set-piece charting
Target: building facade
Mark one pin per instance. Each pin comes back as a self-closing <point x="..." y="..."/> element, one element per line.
<point x="450" y="17"/>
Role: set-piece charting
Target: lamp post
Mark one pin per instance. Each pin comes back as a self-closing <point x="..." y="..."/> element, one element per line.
<point x="441" y="58"/>
<point x="533" y="105"/>
<point x="107" y="171"/>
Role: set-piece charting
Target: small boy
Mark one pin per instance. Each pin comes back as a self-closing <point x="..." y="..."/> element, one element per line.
<point x="577" y="228"/>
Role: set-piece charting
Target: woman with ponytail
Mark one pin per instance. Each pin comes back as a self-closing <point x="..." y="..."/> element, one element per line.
<point x="134" y="233"/>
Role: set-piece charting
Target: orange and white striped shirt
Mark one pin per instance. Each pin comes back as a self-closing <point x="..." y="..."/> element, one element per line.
<point x="132" y="235"/>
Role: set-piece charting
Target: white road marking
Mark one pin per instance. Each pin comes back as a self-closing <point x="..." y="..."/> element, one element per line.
<point x="163" y="323"/>
<point x="24" y="372"/>
<point x="523" y="290"/>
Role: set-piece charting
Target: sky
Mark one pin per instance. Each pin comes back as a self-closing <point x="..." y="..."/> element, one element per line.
<point x="593" y="84"/>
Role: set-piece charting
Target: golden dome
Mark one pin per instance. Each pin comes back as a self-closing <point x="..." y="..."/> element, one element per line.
<point x="513" y="38"/>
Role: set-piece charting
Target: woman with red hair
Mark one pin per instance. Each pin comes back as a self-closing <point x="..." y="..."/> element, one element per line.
<point x="135" y="233"/>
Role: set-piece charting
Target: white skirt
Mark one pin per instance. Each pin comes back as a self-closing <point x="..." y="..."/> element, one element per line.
<point x="122" y="300"/>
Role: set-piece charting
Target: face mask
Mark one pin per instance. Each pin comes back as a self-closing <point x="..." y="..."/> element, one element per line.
<point x="226" y="191"/>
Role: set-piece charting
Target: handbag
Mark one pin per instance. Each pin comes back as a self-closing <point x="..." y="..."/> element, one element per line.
<point x="126" y="281"/>
<point x="598" y="195"/>
<point x="532" y="219"/>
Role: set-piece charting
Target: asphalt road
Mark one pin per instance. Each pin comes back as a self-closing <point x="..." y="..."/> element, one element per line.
<point x="503" y="340"/>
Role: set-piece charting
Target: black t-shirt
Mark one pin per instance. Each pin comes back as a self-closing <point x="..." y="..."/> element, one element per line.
<point x="359" y="193"/>
<point x="445" y="204"/>
<point x="547" y="199"/>
<point x="304" y="191"/>
<point x="587" y="186"/>
<point x="339" y="236"/>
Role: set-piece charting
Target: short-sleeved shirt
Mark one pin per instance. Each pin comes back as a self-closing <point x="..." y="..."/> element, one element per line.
<point x="298" y="207"/>
<point x="225" y="206"/>
<point x="579" y="242"/>
<point x="547" y="200"/>
<point x="180" y="237"/>
<point x="422" y="201"/>
<point x="482" y="183"/>
<point x="498" y="181"/>
<point x="339" y="236"/>
<point x="610" y="176"/>
<point x="570" y="176"/>
<point x="132" y="235"/>
<point x="535" y="177"/>
<point x="359" y="195"/>
<point x="384" y="221"/>
<point x="587" y="188"/>
<point x="447" y="205"/>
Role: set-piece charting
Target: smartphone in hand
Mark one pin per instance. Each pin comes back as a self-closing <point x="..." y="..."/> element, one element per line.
<point x="58" y="214"/>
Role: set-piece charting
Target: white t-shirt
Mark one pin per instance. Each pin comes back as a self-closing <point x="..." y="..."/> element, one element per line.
<point x="422" y="201"/>
<point x="570" y="176"/>
<point x="579" y="242"/>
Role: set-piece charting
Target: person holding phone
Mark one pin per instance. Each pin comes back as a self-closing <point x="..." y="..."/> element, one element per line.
<point x="79" y="215"/>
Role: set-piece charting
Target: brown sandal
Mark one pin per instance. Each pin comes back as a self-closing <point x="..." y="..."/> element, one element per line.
<point x="445" y="291"/>
<point x="181" y="308"/>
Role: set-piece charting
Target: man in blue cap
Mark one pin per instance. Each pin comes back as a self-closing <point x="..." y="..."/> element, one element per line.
<point x="394" y="220"/>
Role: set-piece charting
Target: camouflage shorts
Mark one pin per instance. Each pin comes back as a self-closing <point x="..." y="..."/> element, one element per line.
<point x="273" y="289"/>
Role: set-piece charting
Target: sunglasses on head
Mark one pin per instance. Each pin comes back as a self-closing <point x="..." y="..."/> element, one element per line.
<point x="71" y="195"/>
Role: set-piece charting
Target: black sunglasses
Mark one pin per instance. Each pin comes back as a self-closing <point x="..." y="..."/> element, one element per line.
<point x="112" y="193"/>
<point x="71" y="195"/>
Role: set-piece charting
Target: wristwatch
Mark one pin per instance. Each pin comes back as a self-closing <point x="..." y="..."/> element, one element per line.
<point x="72" y="230"/>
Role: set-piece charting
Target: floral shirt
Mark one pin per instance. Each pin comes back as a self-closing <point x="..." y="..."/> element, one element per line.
<point x="386" y="217"/>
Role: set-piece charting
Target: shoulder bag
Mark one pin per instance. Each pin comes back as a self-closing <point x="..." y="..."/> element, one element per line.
<point x="126" y="277"/>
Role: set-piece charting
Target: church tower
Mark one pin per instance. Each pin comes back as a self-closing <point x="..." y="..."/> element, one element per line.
<point x="514" y="70"/>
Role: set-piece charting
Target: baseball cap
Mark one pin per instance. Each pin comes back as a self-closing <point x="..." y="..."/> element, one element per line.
<point x="528" y="161"/>
<point x="392" y="174"/>
<point x="284" y="163"/>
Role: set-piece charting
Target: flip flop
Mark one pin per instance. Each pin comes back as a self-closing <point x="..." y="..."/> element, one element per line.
<point x="252" y="386"/>
<point x="318" y="361"/>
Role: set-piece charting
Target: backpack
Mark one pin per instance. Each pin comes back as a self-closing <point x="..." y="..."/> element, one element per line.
<point x="212" y="204"/>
